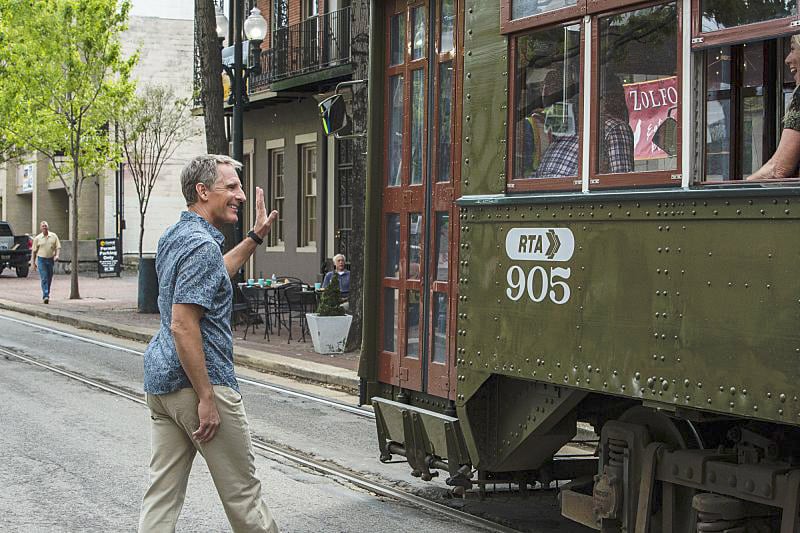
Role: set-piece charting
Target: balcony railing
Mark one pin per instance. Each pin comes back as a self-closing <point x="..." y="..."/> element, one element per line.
<point x="315" y="44"/>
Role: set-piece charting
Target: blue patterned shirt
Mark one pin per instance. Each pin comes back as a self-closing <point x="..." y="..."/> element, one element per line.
<point x="191" y="270"/>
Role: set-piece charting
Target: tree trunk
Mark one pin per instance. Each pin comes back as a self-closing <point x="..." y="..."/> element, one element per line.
<point x="141" y="233"/>
<point x="74" y="292"/>
<point x="360" y="57"/>
<point x="211" y="76"/>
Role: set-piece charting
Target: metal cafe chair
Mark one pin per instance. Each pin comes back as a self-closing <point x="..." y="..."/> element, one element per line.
<point x="297" y="305"/>
<point x="249" y="307"/>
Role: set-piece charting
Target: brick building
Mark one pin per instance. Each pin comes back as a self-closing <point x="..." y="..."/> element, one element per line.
<point x="305" y="175"/>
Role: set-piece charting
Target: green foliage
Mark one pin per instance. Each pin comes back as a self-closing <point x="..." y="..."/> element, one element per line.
<point x="62" y="75"/>
<point x="330" y="303"/>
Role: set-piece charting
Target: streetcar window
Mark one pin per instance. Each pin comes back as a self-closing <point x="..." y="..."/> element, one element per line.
<point x="448" y="20"/>
<point x="439" y="327"/>
<point x="390" y="303"/>
<point x="442" y="245"/>
<point x="418" y="27"/>
<point x="395" y="140"/>
<point x="547" y="107"/>
<point x="398" y="39"/>
<point x="718" y="15"/>
<point x="443" y="153"/>
<point x="412" y="324"/>
<point x="417" y="125"/>
<point x="527" y="8"/>
<point x="637" y="90"/>
<point x="748" y="89"/>
<point x="414" y="233"/>
<point x="392" y="261"/>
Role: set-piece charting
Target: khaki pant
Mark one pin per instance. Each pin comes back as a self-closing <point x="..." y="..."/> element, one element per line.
<point x="229" y="456"/>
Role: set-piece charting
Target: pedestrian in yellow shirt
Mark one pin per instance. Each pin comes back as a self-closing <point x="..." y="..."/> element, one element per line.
<point x="44" y="255"/>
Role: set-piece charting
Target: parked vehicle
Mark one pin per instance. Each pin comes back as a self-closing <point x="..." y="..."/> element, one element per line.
<point x="514" y="290"/>
<point x="15" y="251"/>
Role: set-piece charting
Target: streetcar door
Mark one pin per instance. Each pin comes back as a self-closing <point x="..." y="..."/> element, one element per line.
<point x="417" y="198"/>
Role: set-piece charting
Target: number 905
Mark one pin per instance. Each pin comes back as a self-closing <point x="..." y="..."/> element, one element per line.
<point x="539" y="284"/>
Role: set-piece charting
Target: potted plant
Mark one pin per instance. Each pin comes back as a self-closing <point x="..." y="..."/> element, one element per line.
<point x="330" y="325"/>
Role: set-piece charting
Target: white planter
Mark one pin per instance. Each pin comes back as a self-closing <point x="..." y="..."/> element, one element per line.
<point x="328" y="333"/>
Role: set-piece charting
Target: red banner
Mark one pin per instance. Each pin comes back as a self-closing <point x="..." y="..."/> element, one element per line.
<point x="649" y="103"/>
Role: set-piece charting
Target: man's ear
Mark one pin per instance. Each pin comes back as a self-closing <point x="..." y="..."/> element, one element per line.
<point x="202" y="191"/>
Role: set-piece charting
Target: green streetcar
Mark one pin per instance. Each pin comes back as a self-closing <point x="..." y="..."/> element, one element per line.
<point x="562" y="234"/>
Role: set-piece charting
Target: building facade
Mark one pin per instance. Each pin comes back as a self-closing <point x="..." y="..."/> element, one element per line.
<point x="163" y="38"/>
<point x="305" y="175"/>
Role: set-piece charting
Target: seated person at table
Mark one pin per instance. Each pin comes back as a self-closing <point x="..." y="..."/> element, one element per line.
<point x="344" y="276"/>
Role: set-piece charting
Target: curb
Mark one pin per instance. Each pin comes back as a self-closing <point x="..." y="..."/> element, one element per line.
<point x="256" y="360"/>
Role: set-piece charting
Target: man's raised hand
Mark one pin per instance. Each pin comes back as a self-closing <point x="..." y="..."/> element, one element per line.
<point x="263" y="222"/>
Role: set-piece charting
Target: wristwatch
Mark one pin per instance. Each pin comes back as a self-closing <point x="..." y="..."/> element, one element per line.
<point x="252" y="235"/>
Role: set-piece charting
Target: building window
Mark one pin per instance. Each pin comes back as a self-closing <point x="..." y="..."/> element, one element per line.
<point x="277" y="196"/>
<point x="308" y="199"/>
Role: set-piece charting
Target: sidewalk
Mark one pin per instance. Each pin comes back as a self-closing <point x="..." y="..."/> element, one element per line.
<point x="109" y="305"/>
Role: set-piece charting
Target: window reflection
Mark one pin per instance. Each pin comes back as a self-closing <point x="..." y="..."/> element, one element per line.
<point x="721" y="14"/>
<point x="448" y="17"/>
<point x="547" y="104"/>
<point x="439" y="328"/>
<point x="398" y="39"/>
<point x="412" y="325"/>
<point x="638" y="90"/>
<point x="392" y="268"/>
<point x="414" y="232"/>
<point x="445" y="111"/>
<point x="390" y="303"/>
<point x="442" y="245"/>
<point x="417" y="125"/>
<point x="395" y="130"/>
<point x="527" y="8"/>
<point x="419" y="39"/>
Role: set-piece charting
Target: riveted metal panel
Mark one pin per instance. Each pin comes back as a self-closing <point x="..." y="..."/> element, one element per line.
<point x="485" y="99"/>
<point x="683" y="301"/>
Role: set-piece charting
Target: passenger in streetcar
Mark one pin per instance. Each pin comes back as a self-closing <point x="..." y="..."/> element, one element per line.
<point x="559" y="128"/>
<point x="784" y="162"/>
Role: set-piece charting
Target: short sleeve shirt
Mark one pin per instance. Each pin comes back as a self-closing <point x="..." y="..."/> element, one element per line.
<point x="792" y="118"/>
<point x="191" y="270"/>
<point x="46" y="247"/>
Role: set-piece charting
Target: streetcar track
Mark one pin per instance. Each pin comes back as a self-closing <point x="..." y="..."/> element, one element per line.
<point x="322" y="467"/>
<point x="359" y="411"/>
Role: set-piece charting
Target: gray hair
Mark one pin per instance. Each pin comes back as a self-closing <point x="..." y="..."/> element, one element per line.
<point x="203" y="169"/>
<point x="339" y="255"/>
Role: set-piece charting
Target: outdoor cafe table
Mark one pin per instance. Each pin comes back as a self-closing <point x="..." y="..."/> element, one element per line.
<point x="270" y="299"/>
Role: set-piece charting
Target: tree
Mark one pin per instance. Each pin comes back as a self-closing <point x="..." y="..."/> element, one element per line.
<point x="210" y="63"/>
<point x="152" y="128"/>
<point x="62" y="75"/>
<point x="360" y="56"/>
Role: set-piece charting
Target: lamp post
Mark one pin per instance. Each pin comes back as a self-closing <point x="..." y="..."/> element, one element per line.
<point x="255" y="30"/>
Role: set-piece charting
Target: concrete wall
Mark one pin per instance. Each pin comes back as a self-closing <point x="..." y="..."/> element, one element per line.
<point x="287" y="121"/>
<point x="166" y="49"/>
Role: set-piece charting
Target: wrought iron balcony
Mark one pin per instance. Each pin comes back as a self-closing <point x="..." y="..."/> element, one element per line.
<point x="316" y="44"/>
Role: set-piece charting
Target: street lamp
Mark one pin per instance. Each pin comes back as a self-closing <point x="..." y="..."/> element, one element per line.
<point x="255" y="29"/>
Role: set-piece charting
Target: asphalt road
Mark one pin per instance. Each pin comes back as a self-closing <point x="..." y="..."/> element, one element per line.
<point x="73" y="458"/>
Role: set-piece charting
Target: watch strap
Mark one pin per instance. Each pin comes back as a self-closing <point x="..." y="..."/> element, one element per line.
<point x="252" y="235"/>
